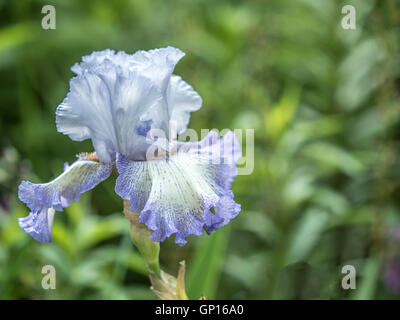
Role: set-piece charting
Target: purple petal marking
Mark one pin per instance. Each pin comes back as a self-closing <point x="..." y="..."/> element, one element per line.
<point x="38" y="225"/>
<point x="175" y="195"/>
<point x="42" y="199"/>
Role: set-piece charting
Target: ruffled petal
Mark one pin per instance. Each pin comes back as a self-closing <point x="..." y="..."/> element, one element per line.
<point x="182" y="100"/>
<point x="115" y="111"/>
<point x="42" y="199"/>
<point x="175" y="195"/>
<point x="225" y="210"/>
<point x="156" y="64"/>
<point x="92" y="61"/>
<point x="117" y="98"/>
<point x="39" y="224"/>
<point x="134" y="181"/>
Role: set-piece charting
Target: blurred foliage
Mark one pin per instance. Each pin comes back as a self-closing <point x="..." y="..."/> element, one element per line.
<point x="324" y="103"/>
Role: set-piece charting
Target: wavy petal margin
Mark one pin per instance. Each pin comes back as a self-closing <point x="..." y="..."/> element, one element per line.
<point x="117" y="98"/>
<point x="43" y="199"/>
<point x="175" y="195"/>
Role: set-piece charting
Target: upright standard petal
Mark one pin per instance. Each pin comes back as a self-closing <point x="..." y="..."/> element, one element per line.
<point x="92" y="61"/>
<point x="43" y="199"/>
<point x="176" y="194"/>
<point x="113" y="110"/>
<point x="117" y="98"/>
<point x="156" y="64"/>
<point x="182" y="100"/>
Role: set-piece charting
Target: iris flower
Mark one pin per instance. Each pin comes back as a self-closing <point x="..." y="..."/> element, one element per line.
<point x="118" y="100"/>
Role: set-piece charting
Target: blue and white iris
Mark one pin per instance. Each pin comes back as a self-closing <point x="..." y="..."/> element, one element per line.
<point x="117" y="100"/>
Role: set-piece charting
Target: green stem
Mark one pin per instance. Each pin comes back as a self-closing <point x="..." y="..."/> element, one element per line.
<point x="165" y="286"/>
<point x="140" y="236"/>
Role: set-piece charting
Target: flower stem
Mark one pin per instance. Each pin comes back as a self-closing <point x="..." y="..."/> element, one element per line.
<point x="164" y="285"/>
<point x="140" y="236"/>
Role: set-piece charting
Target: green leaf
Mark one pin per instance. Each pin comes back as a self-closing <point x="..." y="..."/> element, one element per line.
<point x="279" y="117"/>
<point x="371" y="272"/>
<point x="14" y="35"/>
<point x="306" y="235"/>
<point x="96" y="231"/>
<point x="204" y="270"/>
<point x="334" y="157"/>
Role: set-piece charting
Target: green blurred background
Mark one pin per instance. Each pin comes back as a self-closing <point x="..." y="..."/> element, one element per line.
<point x="324" y="103"/>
